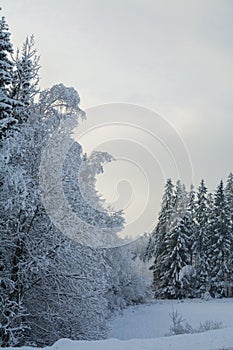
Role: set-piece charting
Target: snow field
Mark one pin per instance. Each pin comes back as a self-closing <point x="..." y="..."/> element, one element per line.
<point x="143" y="327"/>
<point x="153" y="320"/>
<point x="212" y="340"/>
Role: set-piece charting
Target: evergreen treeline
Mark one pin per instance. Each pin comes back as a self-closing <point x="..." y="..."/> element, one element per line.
<point x="51" y="286"/>
<point x="192" y="245"/>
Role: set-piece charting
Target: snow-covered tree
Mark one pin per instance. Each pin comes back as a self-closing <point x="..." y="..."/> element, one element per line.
<point x="53" y="286"/>
<point x="125" y="285"/>
<point x="25" y="228"/>
<point x="25" y="80"/>
<point x="155" y="245"/>
<point x="176" y="250"/>
<point x="221" y="244"/>
<point x="193" y="226"/>
<point x="179" y="258"/>
<point x="19" y="205"/>
<point x="158" y="235"/>
<point x="229" y="211"/>
<point x="6" y="76"/>
<point x="201" y="241"/>
<point x="229" y="197"/>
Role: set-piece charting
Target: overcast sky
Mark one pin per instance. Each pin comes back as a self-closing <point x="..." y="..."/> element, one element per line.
<point x="174" y="57"/>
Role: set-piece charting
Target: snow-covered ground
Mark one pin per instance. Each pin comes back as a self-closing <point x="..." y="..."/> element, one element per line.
<point x="143" y="328"/>
<point x="153" y="320"/>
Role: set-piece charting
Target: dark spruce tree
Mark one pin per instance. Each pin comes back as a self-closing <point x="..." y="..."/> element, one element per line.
<point x="229" y="199"/>
<point x="6" y="75"/>
<point x="159" y="234"/>
<point x="201" y="241"/>
<point x="229" y="210"/>
<point x="25" y="80"/>
<point x="188" y="273"/>
<point x="176" y="255"/>
<point x="221" y="247"/>
<point x="192" y="207"/>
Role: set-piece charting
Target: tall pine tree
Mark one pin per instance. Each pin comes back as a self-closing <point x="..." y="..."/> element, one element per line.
<point x="25" y="80"/>
<point x="201" y="240"/>
<point x="175" y="255"/>
<point x="221" y="244"/>
<point x="6" y="76"/>
<point x="159" y="234"/>
<point x="229" y="210"/>
<point x="172" y="248"/>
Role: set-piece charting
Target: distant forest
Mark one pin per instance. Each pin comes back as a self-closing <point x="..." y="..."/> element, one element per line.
<point x="192" y="245"/>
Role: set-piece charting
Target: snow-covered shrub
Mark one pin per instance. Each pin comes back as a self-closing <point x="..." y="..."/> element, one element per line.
<point x="124" y="285"/>
<point x="209" y="325"/>
<point x="180" y="326"/>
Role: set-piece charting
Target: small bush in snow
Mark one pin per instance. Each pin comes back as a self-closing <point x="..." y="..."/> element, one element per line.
<point x="209" y="325"/>
<point x="181" y="326"/>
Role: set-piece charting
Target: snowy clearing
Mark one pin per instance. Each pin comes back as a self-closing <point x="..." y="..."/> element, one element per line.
<point x="149" y="323"/>
<point x="212" y="340"/>
<point x="153" y="320"/>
